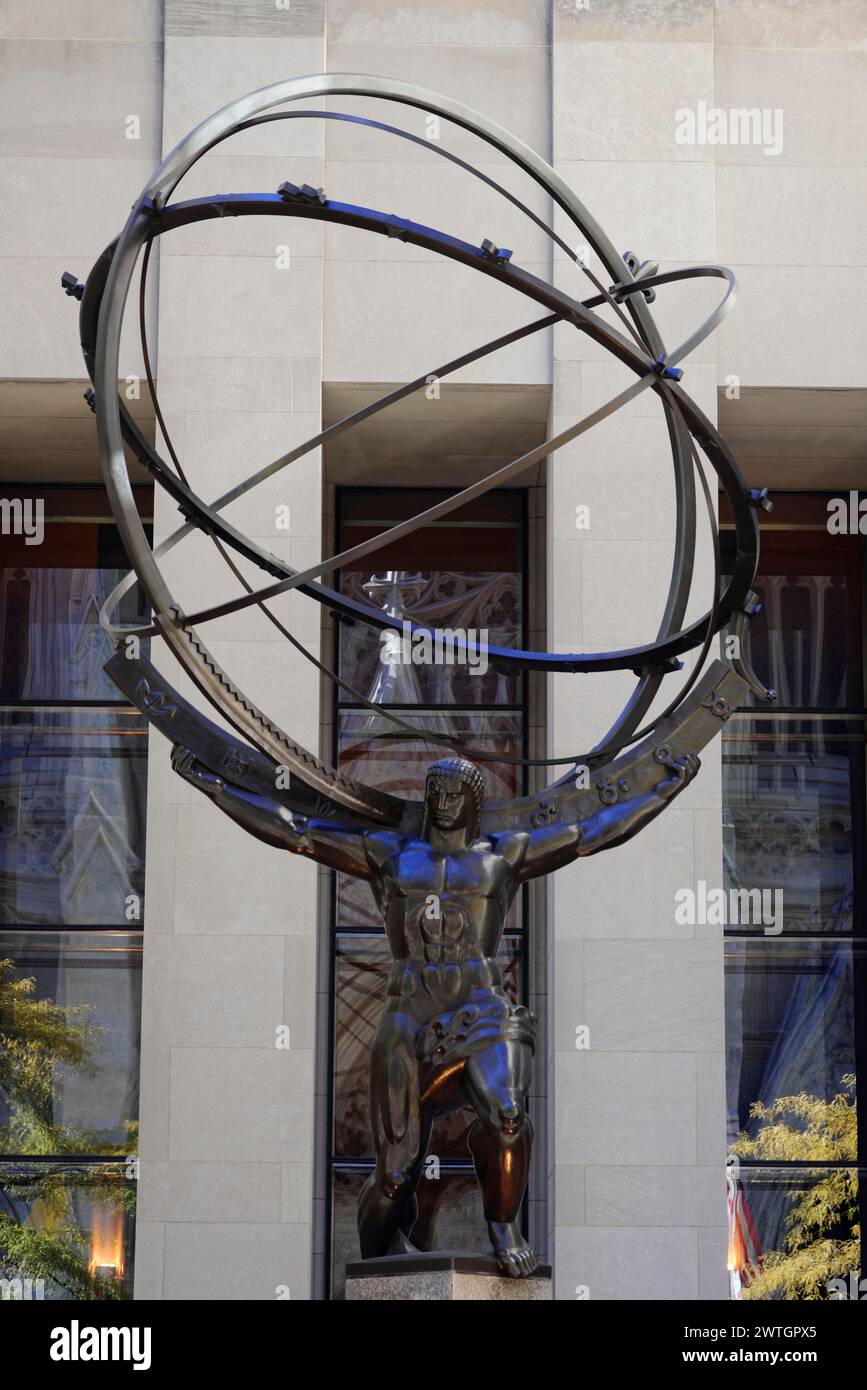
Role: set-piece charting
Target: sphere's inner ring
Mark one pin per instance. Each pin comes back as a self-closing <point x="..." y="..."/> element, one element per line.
<point x="115" y="425"/>
<point x="219" y="206"/>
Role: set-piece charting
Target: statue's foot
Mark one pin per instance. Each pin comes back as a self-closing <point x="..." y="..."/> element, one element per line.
<point x="512" y="1252"/>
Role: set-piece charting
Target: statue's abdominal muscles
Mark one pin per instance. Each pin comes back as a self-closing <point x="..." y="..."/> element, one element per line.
<point x="445" y="909"/>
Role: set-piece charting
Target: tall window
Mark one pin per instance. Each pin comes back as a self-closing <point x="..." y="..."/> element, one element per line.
<point x="467" y="572"/>
<point x="796" y="1001"/>
<point x="73" y="770"/>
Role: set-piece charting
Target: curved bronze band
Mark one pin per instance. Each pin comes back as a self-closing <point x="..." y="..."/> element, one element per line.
<point x="681" y="414"/>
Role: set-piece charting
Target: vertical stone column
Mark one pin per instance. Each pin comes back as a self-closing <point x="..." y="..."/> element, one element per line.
<point x="639" y="1103"/>
<point x="803" y="66"/>
<point x="80" y="115"/>
<point x="227" y="1114"/>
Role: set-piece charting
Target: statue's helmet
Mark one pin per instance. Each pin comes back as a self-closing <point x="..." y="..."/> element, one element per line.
<point x="468" y="774"/>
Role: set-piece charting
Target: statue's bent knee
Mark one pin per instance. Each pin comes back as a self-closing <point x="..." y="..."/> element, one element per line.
<point x="396" y="1184"/>
<point x="510" y="1121"/>
<point x="512" y="1118"/>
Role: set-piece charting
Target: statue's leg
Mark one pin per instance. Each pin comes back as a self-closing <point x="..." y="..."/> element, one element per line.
<point x="387" y="1207"/>
<point x="501" y="1141"/>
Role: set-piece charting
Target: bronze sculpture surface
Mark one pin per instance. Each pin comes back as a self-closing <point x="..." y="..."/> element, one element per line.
<point x="448" y="1036"/>
<point x="443" y="871"/>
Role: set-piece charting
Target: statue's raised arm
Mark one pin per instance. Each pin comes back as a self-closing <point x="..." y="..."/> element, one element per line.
<point x="269" y="820"/>
<point x="450" y="1035"/>
<point x="536" y="852"/>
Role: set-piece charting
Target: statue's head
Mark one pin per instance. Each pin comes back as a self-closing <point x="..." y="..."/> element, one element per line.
<point x="454" y="795"/>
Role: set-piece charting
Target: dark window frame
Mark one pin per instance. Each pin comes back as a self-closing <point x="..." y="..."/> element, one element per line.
<point x="62" y="502"/>
<point x="793" y="512"/>
<point x="338" y="707"/>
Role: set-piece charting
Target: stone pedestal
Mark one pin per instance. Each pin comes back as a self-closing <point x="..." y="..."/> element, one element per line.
<point x="444" y="1277"/>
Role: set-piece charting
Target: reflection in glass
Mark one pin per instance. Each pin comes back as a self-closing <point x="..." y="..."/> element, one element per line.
<point x="485" y="604"/>
<point x="73" y="785"/>
<point x="361" y="977"/>
<point x="789" y="1025"/>
<point x="806" y="640"/>
<point x="787" y="816"/>
<point x="450" y="1217"/>
<point x="51" y="644"/>
<point x="70" y="1008"/>
<point x="799" y="640"/>
<point x="66" y="1230"/>
<point x="793" y="1232"/>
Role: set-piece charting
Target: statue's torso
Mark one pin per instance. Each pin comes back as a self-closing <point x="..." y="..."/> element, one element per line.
<point x="443" y="908"/>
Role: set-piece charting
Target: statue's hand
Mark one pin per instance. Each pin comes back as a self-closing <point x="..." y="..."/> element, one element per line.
<point x="682" y="772"/>
<point x="183" y="761"/>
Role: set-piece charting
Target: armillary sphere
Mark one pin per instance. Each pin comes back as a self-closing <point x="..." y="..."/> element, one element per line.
<point x="690" y="719"/>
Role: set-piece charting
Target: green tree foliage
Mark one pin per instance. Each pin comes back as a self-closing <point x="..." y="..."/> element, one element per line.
<point x="38" y="1036"/>
<point x="60" y="1258"/>
<point x="823" y="1237"/>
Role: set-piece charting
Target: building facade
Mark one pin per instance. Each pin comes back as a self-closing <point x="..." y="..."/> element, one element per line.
<point x="215" y="1151"/>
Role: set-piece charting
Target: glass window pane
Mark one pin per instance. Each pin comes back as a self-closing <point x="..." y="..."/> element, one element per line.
<point x="66" y="1230"/>
<point x="464" y="572"/>
<point x="70" y="1008"/>
<point x="51" y="643"/>
<point x="802" y="638"/>
<point x="790" y="1034"/>
<point x="788" y="816"/>
<point x="362" y="967"/>
<point x="806" y="642"/>
<point x="484" y="605"/>
<point x="792" y="1233"/>
<point x="73" y="784"/>
<point x="450" y="1217"/>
